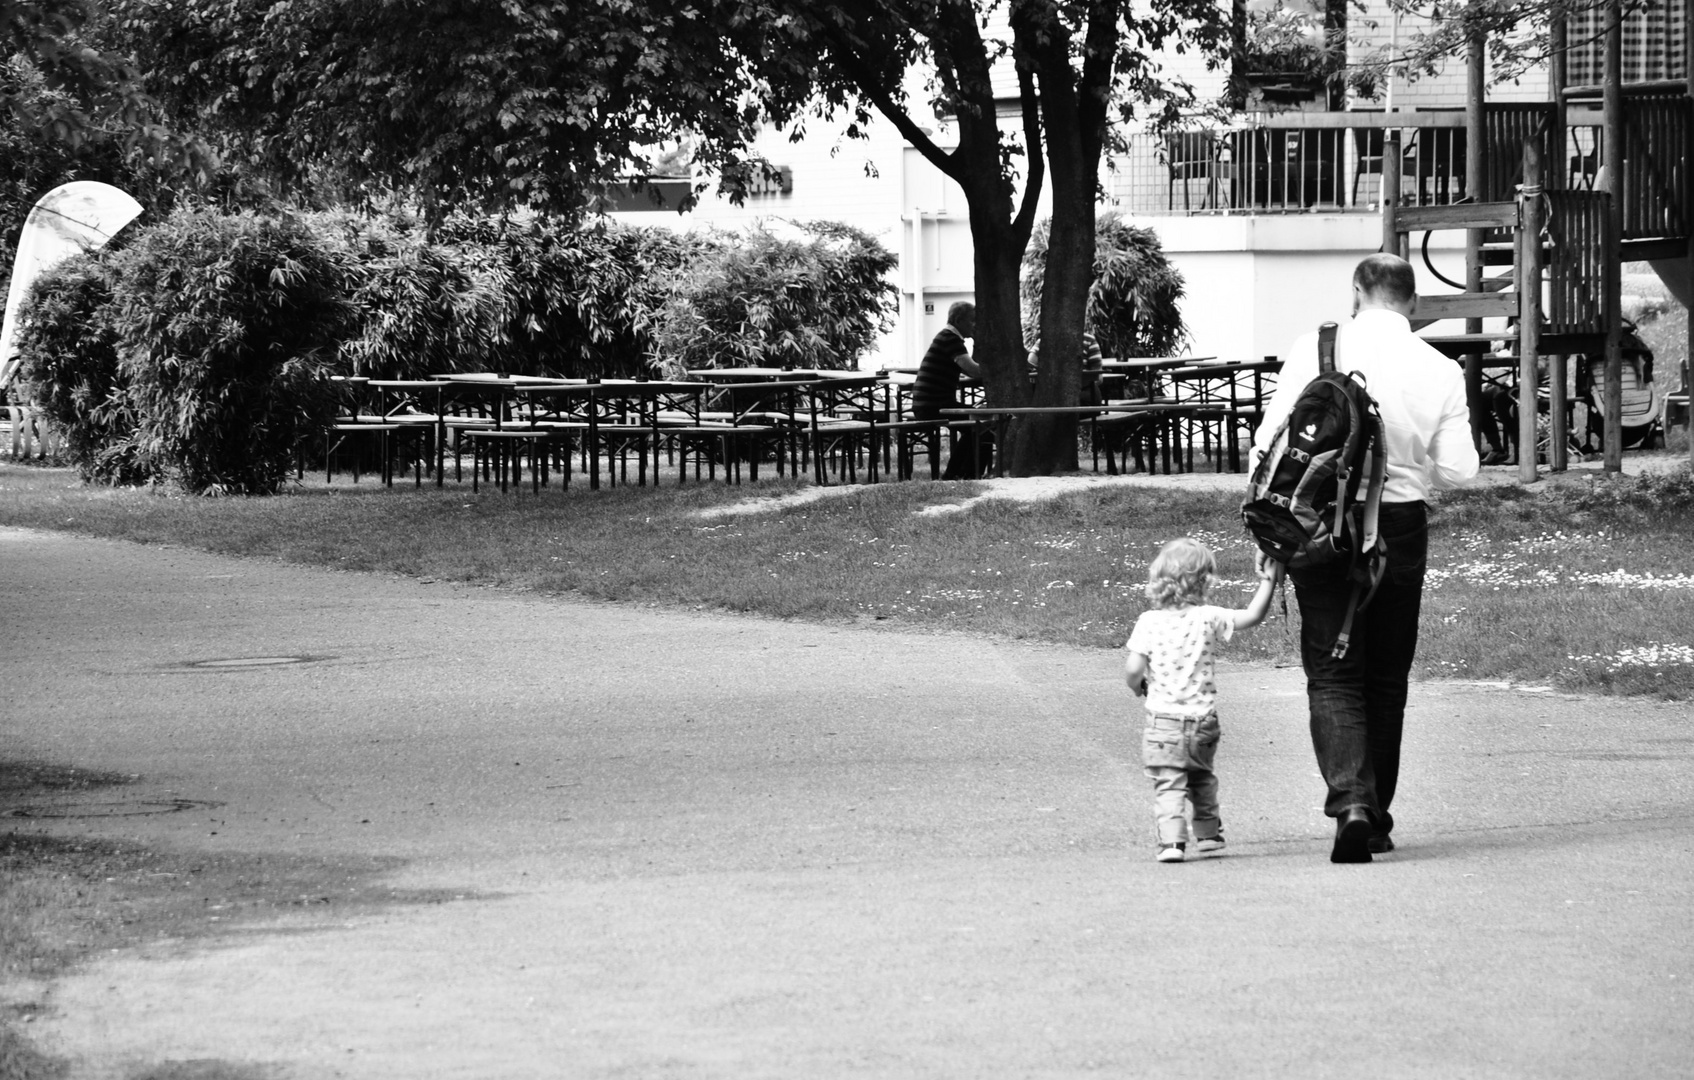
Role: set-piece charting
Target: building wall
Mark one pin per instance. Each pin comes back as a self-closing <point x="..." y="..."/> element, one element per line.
<point x="1254" y="284"/>
<point x="1375" y="28"/>
<point x="1378" y="27"/>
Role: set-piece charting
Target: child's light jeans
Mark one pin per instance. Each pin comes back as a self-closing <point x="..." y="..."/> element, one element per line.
<point x="1177" y="753"/>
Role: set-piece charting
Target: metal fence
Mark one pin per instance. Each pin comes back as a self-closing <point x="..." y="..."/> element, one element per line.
<point x="1330" y="169"/>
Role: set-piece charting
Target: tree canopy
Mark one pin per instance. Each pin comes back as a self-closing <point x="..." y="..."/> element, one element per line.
<point x="539" y="103"/>
<point x="60" y="83"/>
<point x="452" y="101"/>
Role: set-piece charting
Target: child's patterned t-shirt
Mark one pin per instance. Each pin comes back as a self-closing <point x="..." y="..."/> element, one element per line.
<point x="1180" y="645"/>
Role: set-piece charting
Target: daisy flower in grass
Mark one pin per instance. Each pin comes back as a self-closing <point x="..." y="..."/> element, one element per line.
<point x="1654" y="654"/>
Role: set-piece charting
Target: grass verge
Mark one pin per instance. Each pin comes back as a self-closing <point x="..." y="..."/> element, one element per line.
<point x="64" y="899"/>
<point x="1583" y="584"/>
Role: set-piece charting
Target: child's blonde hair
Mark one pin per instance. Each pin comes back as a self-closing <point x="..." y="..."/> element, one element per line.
<point x="1181" y="573"/>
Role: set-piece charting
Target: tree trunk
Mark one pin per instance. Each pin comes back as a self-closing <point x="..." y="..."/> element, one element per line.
<point x="1073" y="123"/>
<point x="1048" y="444"/>
<point x="1068" y="115"/>
<point x="999" y="318"/>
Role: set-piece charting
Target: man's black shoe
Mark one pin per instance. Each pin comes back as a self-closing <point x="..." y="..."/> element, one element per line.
<point x="1352" y="836"/>
<point x="1380" y="843"/>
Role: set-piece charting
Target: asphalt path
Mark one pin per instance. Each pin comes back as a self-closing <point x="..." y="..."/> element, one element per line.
<point x="686" y="845"/>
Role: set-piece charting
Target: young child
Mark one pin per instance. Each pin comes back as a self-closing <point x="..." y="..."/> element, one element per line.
<point x="1170" y="663"/>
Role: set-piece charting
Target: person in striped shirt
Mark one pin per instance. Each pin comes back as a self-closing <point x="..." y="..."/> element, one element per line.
<point x="945" y="363"/>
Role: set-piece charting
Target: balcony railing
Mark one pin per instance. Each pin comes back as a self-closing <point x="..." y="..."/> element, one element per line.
<point x="1263" y="170"/>
<point x="1335" y="166"/>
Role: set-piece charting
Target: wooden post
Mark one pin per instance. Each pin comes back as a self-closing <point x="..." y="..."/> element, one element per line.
<point x="1529" y="311"/>
<point x="1557" y="178"/>
<point x="1558" y="69"/>
<point x="1475" y="171"/>
<point x="1391" y="192"/>
<point x="1612" y="107"/>
<point x="1557" y="156"/>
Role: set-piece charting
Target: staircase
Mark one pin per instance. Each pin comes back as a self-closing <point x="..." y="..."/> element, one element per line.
<point x="1571" y="254"/>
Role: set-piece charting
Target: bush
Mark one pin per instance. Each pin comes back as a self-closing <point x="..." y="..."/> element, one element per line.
<point x="228" y="328"/>
<point x="70" y="367"/>
<point x="1133" y="305"/>
<point x="590" y="298"/>
<point x="199" y="353"/>
<point x="761" y="300"/>
<point x="417" y="307"/>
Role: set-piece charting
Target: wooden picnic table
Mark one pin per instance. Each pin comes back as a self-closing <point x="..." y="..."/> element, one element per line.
<point x="805" y="405"/>
<point x="546" y="403"/>
<point x="407" y="394"/>
<point x="1001" y="417"/>
<point x="740" y="374"/>
<point x="1209" y="382"/>
<point x="1223" y="398"/>
<point x="775" y="374"/>
<point x="603" y="407"/>
<point x="1150" y="363"/>
<point x="1119" y="371"/>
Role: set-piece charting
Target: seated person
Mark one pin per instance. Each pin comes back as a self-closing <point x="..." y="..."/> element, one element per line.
<point x="937" y="387"/>
<point x="1641" y="397"/>
<point x="1498" y="423"/>
<point x="1093" y="366"/>
<point x="1092" y="392"/>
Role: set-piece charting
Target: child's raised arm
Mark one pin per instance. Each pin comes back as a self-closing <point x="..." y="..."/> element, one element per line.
<point x="1259" y="606"/>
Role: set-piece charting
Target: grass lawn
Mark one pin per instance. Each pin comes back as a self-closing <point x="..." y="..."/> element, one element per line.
<point x="1583" y="586"/>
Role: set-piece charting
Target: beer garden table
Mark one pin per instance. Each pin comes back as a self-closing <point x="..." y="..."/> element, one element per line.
<point x="1002" y="416"/>
<point x="1231" y="393"/>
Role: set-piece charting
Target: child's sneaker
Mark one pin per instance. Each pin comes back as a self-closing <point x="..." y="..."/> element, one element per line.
<point x="1210" y="843"/>
<point x="1171" y="852"/>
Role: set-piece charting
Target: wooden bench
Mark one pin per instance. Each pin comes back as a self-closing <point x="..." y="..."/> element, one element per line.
<point x="502" y="449"/>
<point x="713" y="440"/>
<point x="912" y="437"/>
<point x="341" y="431"/>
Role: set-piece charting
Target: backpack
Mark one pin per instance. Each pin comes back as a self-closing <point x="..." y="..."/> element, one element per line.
<point x="1304" y="504"/>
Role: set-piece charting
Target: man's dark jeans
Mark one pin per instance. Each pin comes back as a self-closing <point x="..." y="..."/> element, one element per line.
<point x="1358" y="703"/>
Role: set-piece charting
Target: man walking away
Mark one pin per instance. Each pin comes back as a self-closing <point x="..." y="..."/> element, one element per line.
<point x="1358" y="702"/>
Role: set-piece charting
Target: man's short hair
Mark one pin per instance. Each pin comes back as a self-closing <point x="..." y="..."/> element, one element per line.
<point x="1386" y="277"/>
<point x="960" y="309"/>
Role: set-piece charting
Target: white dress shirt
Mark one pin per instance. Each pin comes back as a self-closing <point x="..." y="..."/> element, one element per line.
<point x="1421" y="393"/>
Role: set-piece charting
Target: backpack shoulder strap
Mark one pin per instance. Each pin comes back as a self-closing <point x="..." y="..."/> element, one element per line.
<point x="1373" y="493"/>
<point x="1326" y="347"/>
<point x="1371" y="548"/>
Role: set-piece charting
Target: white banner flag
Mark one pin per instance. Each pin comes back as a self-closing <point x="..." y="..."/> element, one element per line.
<point x="69" y="220"/>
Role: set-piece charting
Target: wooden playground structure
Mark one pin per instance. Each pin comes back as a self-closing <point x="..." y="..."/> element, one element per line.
<point x="1553" y="224"/>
